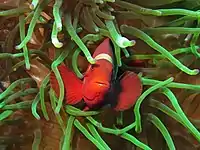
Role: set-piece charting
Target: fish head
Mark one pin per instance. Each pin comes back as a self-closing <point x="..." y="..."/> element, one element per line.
<point x="97" y="82"/>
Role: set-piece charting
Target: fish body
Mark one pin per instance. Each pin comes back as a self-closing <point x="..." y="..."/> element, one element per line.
<point x="97" y="79"/>
<point x="101" y="86"/>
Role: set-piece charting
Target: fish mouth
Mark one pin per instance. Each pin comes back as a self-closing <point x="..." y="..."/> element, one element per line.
<point x="94" y="94"/>
<point x="104" y="84"/>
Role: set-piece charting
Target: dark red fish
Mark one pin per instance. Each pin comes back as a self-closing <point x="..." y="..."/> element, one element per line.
<point x="72" y="85"/>
<point x="100" y="85"/>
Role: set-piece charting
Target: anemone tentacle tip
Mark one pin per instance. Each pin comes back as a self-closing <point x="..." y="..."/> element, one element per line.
<point x="172" y="78"/>
<point x="112" y="1"/>
<point x="120" y="64"/>
<point x="101" y="2"/>
<point x="17" y="47"/>
<point x="96" y="30"/>
<point x="132" y="42"/>
<point x="127" y="55"/>
<point x="112" y="17"/>
<point x="196" y="71"/>
<point x="32" y="7"/>
<point x="56" y="43"/>
<point x="123" y="42"/>
<point x="91" y="60"/>
<point x="28" y="67"/>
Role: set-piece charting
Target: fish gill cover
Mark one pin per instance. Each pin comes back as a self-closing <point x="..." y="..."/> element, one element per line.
<point x="47" y="50"/>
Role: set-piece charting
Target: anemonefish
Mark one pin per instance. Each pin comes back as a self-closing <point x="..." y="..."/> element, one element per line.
<point x="101" y="85"/>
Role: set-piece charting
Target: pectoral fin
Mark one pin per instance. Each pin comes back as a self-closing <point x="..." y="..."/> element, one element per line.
<point x="72" y="85"/>
<point x="131" y="90"/>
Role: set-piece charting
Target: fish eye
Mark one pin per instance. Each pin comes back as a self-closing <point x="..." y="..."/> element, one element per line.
<point x="92" y="67"/>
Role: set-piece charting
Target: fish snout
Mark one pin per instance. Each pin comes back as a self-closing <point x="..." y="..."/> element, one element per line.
<point x="102" y="84"/>
<point x="94" y="93"/>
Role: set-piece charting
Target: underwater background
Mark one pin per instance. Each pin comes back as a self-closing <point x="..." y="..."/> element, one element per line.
<point x="157" y="40"/>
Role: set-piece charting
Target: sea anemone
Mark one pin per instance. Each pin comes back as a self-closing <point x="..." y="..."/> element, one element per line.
<point x="158" y="40"/>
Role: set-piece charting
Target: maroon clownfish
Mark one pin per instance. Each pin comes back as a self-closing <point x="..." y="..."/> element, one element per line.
<point x="100" y="85"/>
